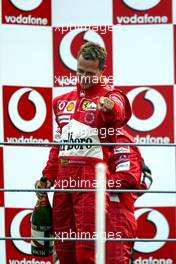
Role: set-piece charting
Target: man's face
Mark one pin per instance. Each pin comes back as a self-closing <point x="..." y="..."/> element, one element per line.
<point x="88" y="72"/>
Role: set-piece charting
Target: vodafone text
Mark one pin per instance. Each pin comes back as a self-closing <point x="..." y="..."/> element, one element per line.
<point x="25" y="261"/>
<point x="85" y="184"/>
<point x="30" y="139"/>
<point x="152" y="260"/>
<point x="26" y="20"/>
<point x="146" y="19"/>
<point x="151" y="139"/>
<point x="102" y="29"/>
<point x="87" y="235"/>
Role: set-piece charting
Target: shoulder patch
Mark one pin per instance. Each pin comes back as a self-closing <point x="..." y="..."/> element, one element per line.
<point x="124" y="149"/>
<point x="123" y="166"/>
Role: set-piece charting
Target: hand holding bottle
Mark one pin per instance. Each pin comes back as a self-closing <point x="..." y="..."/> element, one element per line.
<point x="41" y="222"/>
<point x="43" y="183"/>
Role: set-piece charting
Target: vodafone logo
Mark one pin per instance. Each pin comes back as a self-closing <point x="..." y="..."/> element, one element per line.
<point x="26" y="12"/>
<point x="65" y="46"/>
<point x="142" y="12"/>
<point x="26" y="5"/>
<point x="22" y="246"/>
<point x="158" y="115"/>
<point x="40" y="110"/>
<point x="162" y="230"/>
<point x="141" y="5"/>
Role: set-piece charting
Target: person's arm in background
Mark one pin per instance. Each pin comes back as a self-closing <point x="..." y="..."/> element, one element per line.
<point x="125" y="165"/>
<point x="145" y="184"/>
<point x="146" y="178"/>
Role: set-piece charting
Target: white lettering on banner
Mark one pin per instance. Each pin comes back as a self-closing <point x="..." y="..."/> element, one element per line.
<point x="26" y="20"/>
<point x="40" y="110"/>
<point x="150" y="139"/>
<point x="161" y="226"/>
<point x="22" y="246"/>
<point x="26" y="5"/>
<point x="152" y="260"/>
<point x="158" y="115"/>
<point x="22" y="139"/>
<point x="142" y="19"/>
<point x="141" y="5"/>
<point x="65" y="46"/>
<point x="26" y="261"/>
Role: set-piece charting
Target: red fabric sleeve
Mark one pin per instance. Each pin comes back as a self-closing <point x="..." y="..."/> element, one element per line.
<point x="120" y="113"/>
<point x="51" y="168"/>
<point x="126" y="166"/>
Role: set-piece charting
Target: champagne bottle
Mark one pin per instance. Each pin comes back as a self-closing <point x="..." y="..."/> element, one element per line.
<point x="41" y="225"/>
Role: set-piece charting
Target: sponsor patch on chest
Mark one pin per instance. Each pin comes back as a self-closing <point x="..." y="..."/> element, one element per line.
<point x="66" y="107"/>
<point x="64" y="118"/>
<point x="87" y="105"/>
<point x="70" y="107"/>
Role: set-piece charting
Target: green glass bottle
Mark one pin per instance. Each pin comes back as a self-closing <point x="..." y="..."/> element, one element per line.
<point x="41" y="225"/>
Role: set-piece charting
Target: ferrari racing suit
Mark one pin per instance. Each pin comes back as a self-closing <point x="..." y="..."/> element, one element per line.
<point x="125" y="167"/>
<point x="73" y="166"/>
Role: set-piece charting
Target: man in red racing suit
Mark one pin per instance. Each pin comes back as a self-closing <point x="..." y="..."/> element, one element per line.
<point x="83" y="116"/>
<point x="128" y="171"/>
<point x="120" y="216"/>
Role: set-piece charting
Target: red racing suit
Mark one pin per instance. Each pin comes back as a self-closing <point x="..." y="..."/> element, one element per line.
<point x="125" y="167"/>
<point x="80" y="121"/>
